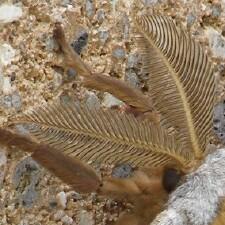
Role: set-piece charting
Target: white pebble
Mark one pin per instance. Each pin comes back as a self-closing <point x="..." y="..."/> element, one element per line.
<point x="59" y="215"/>
<point x="109" y="101"/>
<point x="62" y="199"/>
<point x="7" y="53"/>
<point x="9" y="13"/>
<point x="6" y="86"/>
<point x="67" y="220"/>
<point x="216" y="42"/>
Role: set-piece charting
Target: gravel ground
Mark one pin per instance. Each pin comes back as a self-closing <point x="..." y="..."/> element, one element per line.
<point x="31" y="74"/>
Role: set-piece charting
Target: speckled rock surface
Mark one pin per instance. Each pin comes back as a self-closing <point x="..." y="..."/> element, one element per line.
<point x="31" y="74"/>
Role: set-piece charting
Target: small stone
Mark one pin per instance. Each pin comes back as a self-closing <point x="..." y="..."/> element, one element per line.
<point x="1" y="79"/>
<point x="191" y="18"/>
<point x="6" y="86"/>
<point x="9" y="13"/>
<point x="150" y="2"/>
<point x="89" y="6"/>
<point x="16" y="101"/>
<point x="76" y="196"/>
<point x="219" y="121"/>
<point x="118" y="53"/>
<point x="53" y="204"/>
<point x="67" y="220"/>
<point x="25" y="178"/>
<point x="51" y="44"/>
<point x="62" y="199"/>
<point x="216" y="42"/>
<point x="85" y="218"/>
<point x="110" y="101"/>
<point x="66" y="3"/>
<point x="80" y="42"/>
<point x="131" y="78"/>
<point x="216" y="10"/>
<point x="100" y="15"/>
<point x="103" y="35"/>
<point x="65" y="98"/>
<point x="7" y="53"/>
<point x="126" y="26"/>
<point x="22" y="129"/>
<point x="24" y="222"/>
<point x="57" y="13"/>
<point x="3" y="158"/>
<point x="11" y="101"/>
<point x="132" y="61"/>
<point x="58" y="215"/>
<point x="57" y="80"/>
<point x="71" y="74"/>
<point x="92" y="100"/>
<point x="29" y="196"/>
<point x="3" y="161"/>
<point x="122" y="171"/>
<point x="6" y="101"/>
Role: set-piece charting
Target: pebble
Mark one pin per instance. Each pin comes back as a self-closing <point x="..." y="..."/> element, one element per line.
<point x="66" y="99"/>
<point x="131" y="78"/>
<point x="53" y="204"/>
<point x="80" y="42"/>
<point x="191" y="18"/>
<point x="57" y="80"/>
<point x="7" y="53"/>
<point x="51" y="44"/>
<point x="6" y="101"/>
<point x="89" y="6"/>
<point x="16" y="101"/>
<point x="7" y="86"/>
<point x="58" y="215"/>
<point x="85" y="218"/>
<point x="219" y="121"/>
<point x="22" y="129"/>
<point x="131" y="69"/>
<point x="24" y="222"/>
<point x="132" y="61"/>
<point x="29" y="196"/>
<point x="151" y="2"/>
<point x="100" y="15"/>
<point x="126" y="26"/>
<point x="119" y="53"/>
<point x="11" y="101"/>
<point x="71" y="74"/>
<point x="62" y="199"/>
<point x="103" y="35"/>
<point x="75" y="195"/>
<point x="3" y="161"/>
<point x="216" y="10"/>
<point x="66" y="3"/>
<point x="9" y="13"/>
<point x="122" y="171"/>
<point x="25" y="178"/>
<point x="3" y="158"/>
<point x="67" y="220"/>
<point x="109" y="101"/>
<point x="92" y="101"/>
<point x="216" y="42"/>
<point x="1" y="78"/>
